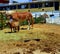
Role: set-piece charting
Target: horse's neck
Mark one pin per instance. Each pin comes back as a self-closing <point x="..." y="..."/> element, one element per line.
<point x="9" y="24"/>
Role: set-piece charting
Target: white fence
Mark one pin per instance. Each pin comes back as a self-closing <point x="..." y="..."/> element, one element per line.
<point x="54" y="19"/>
<point x="56" y="13"/>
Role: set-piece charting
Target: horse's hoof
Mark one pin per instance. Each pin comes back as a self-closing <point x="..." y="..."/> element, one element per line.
<point x="14" y="31"/>
<point x="28" y="28"/>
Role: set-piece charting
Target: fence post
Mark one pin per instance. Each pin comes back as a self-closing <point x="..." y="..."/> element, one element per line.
<point x="59" y="13"/>
<point x="1" y="20"/>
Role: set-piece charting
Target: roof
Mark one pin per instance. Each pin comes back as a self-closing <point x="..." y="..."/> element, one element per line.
<point x="1" y="4"/>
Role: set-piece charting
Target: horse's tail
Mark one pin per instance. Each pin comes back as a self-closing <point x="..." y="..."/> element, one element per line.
<point x="32" y="22"/>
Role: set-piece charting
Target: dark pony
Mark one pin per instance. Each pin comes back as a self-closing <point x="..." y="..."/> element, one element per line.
<point x="14" y="24"/>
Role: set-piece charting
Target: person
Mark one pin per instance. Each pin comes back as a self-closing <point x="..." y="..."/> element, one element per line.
<point x="10" y="19"/>
<point x="28" y="10"/>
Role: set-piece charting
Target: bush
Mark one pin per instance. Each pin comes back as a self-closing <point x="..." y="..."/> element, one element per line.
<point x="24" y="23"/>
<point x="40" y="19"/>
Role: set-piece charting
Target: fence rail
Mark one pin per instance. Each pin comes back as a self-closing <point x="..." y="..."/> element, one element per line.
<point x="54" y="16"/>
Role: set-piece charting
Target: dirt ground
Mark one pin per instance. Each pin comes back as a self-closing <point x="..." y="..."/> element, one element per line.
<point x="47" y="41"/>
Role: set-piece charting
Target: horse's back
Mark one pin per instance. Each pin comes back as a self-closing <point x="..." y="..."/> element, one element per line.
<point x="25" y="14"/>
<point x="14" y="23"/>
<point x="22" y="15"/>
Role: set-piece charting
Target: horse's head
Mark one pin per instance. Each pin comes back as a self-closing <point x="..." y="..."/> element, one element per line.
<point x="8" y="24"/>
<point x="45" y="15"/>
<point x="8" y="16"/>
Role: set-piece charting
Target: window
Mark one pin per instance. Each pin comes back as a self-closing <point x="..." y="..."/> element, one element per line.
<point x="19" y="6"/>
<point x="48" y="4"/>
<point x="26" y="5"/>
<point x="36" y="5"/>
<point x="12" y="7"/>
<point x="39" y="5"/>
<point x="32" y="5"/>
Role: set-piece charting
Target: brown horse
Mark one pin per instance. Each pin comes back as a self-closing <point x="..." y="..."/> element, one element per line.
<point x="23" y="16"/>
<point x="14" y="25"/>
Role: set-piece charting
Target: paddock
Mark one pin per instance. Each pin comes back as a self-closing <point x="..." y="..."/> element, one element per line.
<point x="44" y="38"/>
<point x="40" y="35"/>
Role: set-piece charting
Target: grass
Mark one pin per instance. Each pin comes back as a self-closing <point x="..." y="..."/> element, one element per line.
<point x="35" y="9"/>
<point x="40" y="31"/>
<point x="48" y="34"/>
<point x="21" y="35"/>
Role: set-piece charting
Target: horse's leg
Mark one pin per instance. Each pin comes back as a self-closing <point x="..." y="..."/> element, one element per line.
<point x="11" y="29"/>
<point x="14" y="29"/>
<point x="28" y="25"/>
<point x="18" y="28"/>
<point x="32" y="21"/>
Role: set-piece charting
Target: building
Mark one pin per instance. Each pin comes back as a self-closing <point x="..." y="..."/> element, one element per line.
<point x="4" y="1"/>
<point x="40" y="4"/>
